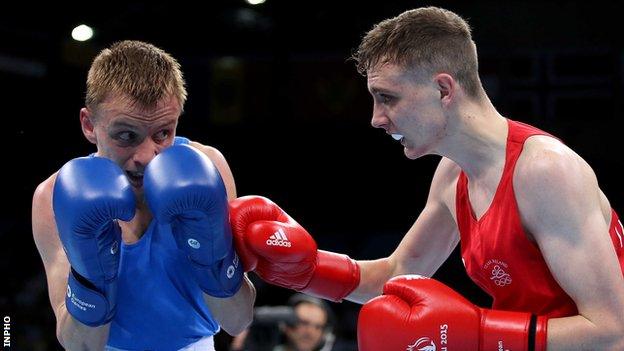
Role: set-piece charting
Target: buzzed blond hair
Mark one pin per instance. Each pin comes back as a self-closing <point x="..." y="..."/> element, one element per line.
<point x="135" y="70"/>
<point x="429" y="38"/>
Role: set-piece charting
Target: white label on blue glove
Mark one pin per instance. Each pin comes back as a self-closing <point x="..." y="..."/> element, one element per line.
<point x="193" y="243"/>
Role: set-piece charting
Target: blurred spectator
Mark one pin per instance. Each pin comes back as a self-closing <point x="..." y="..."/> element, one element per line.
<point x="311" y="330"/>
<point x="306" y="324"/>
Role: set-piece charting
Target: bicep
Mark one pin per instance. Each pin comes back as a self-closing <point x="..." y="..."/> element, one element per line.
<point x="49" y="247"/>
<point x="561" y="208"/>
<point x="582" y="260"/>
<point x="428" y="243"/>
<point x="434" y="235"/>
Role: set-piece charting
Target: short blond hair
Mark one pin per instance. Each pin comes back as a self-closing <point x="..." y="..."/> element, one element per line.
<point x="136" y="70"/>
<point x="429" y="38"/>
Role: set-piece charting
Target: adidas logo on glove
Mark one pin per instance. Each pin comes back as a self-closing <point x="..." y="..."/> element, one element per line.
<point x="278" y="239"/>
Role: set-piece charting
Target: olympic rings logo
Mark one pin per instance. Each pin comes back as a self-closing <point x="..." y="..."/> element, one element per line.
<point x="500" y="277"/>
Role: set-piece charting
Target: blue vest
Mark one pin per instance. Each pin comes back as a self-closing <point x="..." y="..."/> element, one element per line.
<point x="159" y="304"/>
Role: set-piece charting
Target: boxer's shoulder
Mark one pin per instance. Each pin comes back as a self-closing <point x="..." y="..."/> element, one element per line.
<point x="444" y="182"/>
<point x="212" y="152"/>
<point x="221" y="163"/>
<point x="447" y="171"/>
<point x="43" y="224"/>
<point x="545" y="160"/>
<point x="42" y="198"/>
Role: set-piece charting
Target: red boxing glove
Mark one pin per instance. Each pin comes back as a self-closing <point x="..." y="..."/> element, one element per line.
<point x="418" y="313"/>
<point x="281" y="252"/>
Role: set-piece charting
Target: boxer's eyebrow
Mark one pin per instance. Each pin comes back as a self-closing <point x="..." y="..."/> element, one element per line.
<point x="123" y="124"/>
<point x="165" y="124"/>
<point x="378" y="90"/>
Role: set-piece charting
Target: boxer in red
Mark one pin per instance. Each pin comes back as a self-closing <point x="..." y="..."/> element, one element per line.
<point x="536" y="231"/>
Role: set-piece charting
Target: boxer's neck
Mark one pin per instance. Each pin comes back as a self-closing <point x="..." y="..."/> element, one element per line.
<point x="133" y="230"/>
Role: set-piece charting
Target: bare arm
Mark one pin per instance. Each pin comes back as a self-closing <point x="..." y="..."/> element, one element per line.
<point x="560" y="204"/>
<point x="426" y="245"/>
<point x="72" y="334"/>
<point x="221" y="163"/>
<point x="235" y="313"/>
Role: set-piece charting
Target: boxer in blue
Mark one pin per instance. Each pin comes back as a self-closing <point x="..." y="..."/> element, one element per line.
<point x="135" y="238"/>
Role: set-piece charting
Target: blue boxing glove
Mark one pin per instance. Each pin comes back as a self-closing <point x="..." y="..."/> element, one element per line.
<point x="184" y="188"/>
<point x="90" y="193"/>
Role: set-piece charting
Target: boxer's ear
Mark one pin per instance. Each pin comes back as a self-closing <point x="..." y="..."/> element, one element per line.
<point x="447" y="87"/>
<point x="86" y="122"/>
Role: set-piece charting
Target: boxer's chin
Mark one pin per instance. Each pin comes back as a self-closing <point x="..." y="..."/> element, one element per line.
<point x="412" y="153"/>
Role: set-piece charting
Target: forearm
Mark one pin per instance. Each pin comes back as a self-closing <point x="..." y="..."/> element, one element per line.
<point x="234" y="313"/>
<point x="373" y="275"/>
<point x="579" y="333"/>
<point x="74" y="335"/>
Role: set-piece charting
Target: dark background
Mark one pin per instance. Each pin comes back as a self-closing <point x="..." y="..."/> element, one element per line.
<point x="271" y="87"/>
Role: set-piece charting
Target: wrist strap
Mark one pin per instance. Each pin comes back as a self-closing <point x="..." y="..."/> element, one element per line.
<point x="541" y="326"/>
<point x="532" y="327"/>
<point x="87" y="305"/>
<point x="512" y="331"/>
<point x="505" y="330"/>
<point x="335" y="276"/>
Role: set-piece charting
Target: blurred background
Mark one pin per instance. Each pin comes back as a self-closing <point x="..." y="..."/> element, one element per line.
<point x="271" y="86"/>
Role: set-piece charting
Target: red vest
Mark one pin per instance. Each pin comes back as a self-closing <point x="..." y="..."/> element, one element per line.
<point x="495" y="249"/>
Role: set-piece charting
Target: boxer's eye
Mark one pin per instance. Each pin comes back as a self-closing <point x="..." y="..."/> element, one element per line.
<point x="162" y="135"/>
<point x="384" y="98"/>
<point x="126" y="137"/>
